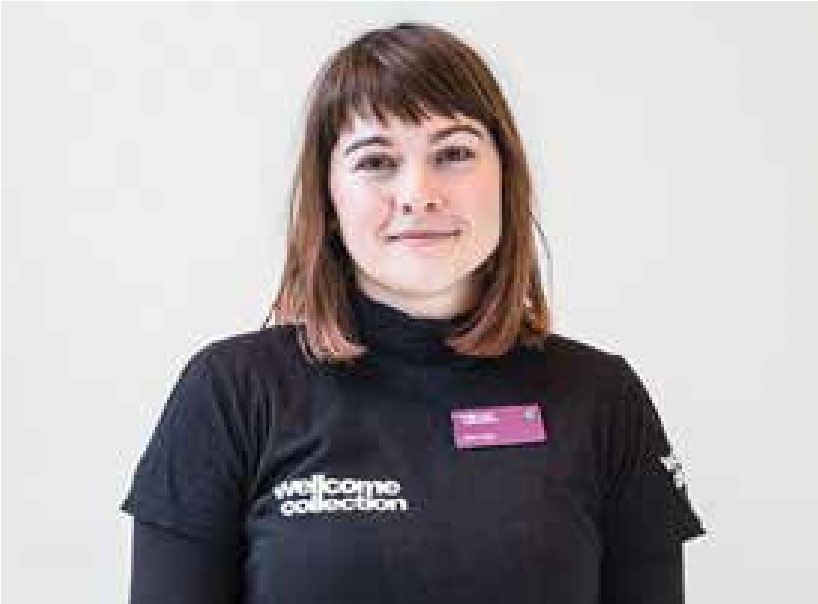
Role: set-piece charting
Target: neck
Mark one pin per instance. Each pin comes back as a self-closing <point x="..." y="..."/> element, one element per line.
<point x="393" y="335"/>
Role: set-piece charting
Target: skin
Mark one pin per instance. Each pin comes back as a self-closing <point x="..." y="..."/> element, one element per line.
<point x="415" y="182"/>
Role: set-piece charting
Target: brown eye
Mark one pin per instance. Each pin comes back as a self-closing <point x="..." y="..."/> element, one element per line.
<point x="456" y="154"/>
<point x="372" y="163"/>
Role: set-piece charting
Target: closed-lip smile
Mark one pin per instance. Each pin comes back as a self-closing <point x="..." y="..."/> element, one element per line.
<point x="423" y="234"/>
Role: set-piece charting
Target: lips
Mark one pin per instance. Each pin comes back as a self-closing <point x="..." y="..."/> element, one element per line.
<point x="424" y="234"/>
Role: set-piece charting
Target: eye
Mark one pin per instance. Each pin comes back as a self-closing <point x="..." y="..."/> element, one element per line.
<point x="373" y="161"/>
<point x="457" y="153"/>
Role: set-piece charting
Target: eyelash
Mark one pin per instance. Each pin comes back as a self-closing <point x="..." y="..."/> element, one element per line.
<point x="466" y="155"/>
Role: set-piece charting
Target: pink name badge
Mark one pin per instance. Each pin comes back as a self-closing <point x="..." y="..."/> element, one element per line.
<point x="490" y="426"/>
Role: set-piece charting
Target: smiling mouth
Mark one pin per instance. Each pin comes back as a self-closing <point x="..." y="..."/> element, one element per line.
<point x="423" y="236"/>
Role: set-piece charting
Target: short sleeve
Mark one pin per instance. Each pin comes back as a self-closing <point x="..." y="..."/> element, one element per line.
<point x="190" y="477"/>
<point x="646" y="504"/>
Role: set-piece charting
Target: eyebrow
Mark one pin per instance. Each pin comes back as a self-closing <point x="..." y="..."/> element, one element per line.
<point x="433" y="138"/>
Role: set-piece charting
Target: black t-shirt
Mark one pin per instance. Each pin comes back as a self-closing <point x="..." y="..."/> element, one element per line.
<point x="358" y="484"/>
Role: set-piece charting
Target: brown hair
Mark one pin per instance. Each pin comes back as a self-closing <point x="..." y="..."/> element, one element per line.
<point x="408" y="70"/>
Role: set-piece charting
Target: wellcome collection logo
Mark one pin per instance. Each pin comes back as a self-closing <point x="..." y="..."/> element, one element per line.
<point x="325" y="494"/>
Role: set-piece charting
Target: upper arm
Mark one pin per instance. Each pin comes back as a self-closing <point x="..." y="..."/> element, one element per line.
<point x="191" y="476"/>
<point x="187" y="495"/>
<point x="656" y="578"/>
<point x="173" y="568"/>
<point x="647" y="515"/>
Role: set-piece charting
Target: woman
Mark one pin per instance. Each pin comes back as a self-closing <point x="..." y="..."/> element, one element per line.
<point x="409" y="430"/>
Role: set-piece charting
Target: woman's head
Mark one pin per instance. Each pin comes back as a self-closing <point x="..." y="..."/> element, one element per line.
<point x="389" y="180"/>
<point x="406" y="129"/>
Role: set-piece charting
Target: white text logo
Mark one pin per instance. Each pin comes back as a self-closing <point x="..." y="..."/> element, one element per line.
<point x="320" y="493"/>
<point x="673" y="465"/>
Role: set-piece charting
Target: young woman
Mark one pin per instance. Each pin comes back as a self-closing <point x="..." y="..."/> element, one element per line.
<point x="409" y="429"/>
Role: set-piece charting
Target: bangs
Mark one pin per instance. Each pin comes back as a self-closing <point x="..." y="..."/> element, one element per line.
<point x="412" y="79"/>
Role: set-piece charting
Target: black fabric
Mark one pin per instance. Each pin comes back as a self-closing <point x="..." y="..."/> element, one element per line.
<point x="596" y="513"/>
<point x="173" y="568"/>
<point x="645" y="579"/>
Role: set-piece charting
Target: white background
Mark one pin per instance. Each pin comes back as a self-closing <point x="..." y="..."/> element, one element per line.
<point x="147" y="151"/>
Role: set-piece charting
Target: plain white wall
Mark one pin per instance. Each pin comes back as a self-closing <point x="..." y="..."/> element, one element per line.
<point x="147" y="151"/>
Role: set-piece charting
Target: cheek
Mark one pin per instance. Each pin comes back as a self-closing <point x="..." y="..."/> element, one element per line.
<point x="481" y="200"/>
<point x="362" y="215"/>
<point x="356" y="203"/>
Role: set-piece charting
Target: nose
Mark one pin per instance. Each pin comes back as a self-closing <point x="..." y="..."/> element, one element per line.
<point x="419" y="195"/>
<point x="418" y="204"/>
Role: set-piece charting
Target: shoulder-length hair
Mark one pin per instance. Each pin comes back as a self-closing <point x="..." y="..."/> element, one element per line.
<point x="408" y="70"/>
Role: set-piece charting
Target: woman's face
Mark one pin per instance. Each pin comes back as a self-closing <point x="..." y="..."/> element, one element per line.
<point x="442" y="176"/>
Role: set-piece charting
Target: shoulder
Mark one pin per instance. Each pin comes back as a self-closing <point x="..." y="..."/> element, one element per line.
<point x="241" y="378"/>
<point x="576" y="359"/>
<point x="251" y="356"/>
<point x="565" y="346"/>
<point x="617" y="390"/>
<point x="273" y="342"/>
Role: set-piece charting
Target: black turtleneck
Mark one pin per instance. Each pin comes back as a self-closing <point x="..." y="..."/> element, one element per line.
<point x="393" y="336"/>
<point x="417" y="475"/>
<point x="393" y="331"/>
